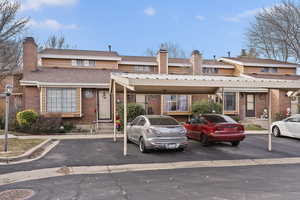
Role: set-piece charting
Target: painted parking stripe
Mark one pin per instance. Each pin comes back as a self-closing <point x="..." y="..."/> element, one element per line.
<point x="21" y="176"/>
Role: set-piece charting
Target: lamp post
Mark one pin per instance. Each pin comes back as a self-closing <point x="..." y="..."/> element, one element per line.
<point x="8" y="91"/>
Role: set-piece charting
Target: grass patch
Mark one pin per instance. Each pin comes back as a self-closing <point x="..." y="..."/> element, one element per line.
<point x="254" y="127"/>
<point x="18" y="146"/>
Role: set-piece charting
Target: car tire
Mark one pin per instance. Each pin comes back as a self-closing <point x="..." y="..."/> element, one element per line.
<point x="204" y="140"/>
<point x="181" y="149"/>
<point x="142" y="146"/>
<point x="276" y="131"/>
<point x="235" y="143"/>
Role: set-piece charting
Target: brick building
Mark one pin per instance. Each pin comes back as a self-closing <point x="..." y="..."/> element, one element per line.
<point x="75" y="83"/>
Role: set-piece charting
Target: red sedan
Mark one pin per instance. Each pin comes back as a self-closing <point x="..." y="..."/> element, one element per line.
<point x="215" y="128"/>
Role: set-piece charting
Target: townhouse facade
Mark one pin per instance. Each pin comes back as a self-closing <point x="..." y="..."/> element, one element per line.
<point x="75" y="83"/>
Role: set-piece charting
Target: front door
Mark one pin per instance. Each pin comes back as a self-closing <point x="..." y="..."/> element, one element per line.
<point x="104" y="105"/>
<point x="250" y="105"/>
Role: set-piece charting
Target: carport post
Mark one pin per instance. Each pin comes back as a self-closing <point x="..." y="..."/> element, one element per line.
<point x="125" y="121"/>
<point x="223" y="101"/>
<point x="115" y="110"/>
<point x="270" y="121"/>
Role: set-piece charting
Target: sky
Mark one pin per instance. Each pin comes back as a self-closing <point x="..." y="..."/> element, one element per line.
<point x="131" y="26"/>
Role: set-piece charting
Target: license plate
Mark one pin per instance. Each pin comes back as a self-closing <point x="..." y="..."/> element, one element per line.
<point x="171" y="146"/>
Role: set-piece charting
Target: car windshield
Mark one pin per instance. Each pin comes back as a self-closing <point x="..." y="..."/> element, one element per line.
<point x="219" y="119"/>
<point x="163" y="121"/>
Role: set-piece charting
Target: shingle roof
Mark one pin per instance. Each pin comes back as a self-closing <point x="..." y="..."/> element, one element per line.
<point x="64" y="75"/>
<point x="78" y="52"/>
<point x="215" y="62"/>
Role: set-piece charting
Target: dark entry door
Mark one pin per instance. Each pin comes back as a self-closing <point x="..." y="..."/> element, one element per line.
<point x="250" y="105"/>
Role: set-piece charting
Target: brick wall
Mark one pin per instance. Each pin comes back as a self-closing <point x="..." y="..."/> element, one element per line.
<point x="32" y="98"/>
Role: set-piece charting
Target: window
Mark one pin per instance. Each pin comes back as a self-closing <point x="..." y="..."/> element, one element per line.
<point x="209" y="70"/>
<point x="144" y="69"/>
<point x="79" y="62"/>
<point x="92" y="63"/>
<point x="269" y="70"/>
<point x="61" y="100"/>
<point x="142" y="122"/>
<point x="135" y="121"/>
<point x="176" y="103"/>
<point x="230" y="101"/>
<point x="83" y="63"/>
<point x="219" y="119"/>
<point x="162" y="121"/>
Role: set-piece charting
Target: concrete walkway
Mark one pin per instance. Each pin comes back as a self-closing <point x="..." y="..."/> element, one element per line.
<point x="21" y="176"/>
<point x="66" y="137"/>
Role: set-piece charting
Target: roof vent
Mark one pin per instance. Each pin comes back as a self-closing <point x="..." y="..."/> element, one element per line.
<point x="109" y="48"/>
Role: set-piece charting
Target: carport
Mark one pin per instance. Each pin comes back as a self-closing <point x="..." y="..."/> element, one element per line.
<point x="189" y="84"/>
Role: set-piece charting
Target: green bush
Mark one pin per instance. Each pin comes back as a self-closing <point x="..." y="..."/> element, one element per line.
<point x="205" y="107"/>
<point x="235" y="118"/>
<point x="43" y="125"/>
<point x="26" y="118"/>
<point x="280" y="116"/>
<point x="133" y="110"/>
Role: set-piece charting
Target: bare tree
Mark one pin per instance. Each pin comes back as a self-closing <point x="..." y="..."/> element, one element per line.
<point x="11" y="29"/>
<point x="57" y="42"/>
<point x="174" y="50"/>
<point x="275" y="33"/>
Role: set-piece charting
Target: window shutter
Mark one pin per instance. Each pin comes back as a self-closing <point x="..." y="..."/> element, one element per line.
<point x="74" y="63"/>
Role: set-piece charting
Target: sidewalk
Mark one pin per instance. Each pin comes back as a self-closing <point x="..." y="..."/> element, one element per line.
<point x="257" y="132"/>
<point x="66" y="137"/>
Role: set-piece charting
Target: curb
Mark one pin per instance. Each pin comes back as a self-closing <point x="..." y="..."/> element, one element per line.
<point x="28" y="154"/>
<point x="22" y="176"/>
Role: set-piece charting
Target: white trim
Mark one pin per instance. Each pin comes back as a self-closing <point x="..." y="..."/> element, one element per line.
<point x="257" y="64"/>
<point x="112" y="58"/>
<point x="246" y="90"/>
<point x="218" y="66"/>
<point x="38" y="84"/>
<point x="137" y="63"/>
<point x="179" y="65"/>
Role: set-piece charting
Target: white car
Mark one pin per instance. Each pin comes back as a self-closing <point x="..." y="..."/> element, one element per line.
<point x="288" y="127"/>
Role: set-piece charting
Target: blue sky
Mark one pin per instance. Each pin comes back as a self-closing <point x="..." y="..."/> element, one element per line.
<point x="131" y="26"/>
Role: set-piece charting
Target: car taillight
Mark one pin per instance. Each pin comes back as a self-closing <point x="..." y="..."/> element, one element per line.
<point x="219" y="128"/>
<point x="240" y="128"/>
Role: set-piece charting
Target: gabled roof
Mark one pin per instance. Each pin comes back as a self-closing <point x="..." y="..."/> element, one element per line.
<point x="93" y="78"/>
<point x="247" y="61"/>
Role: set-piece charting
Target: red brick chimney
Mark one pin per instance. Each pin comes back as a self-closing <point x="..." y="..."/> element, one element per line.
<point x="30" y="57"/>
<point x="197" y="62"/>
<point x="162" y="59"/>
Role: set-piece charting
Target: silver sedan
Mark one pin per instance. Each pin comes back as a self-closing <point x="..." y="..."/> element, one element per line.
<point x="157" y="132"/>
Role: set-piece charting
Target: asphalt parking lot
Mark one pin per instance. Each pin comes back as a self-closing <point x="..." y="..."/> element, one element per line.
<point x="105" y="152"/>
<point x="229" y="183"/>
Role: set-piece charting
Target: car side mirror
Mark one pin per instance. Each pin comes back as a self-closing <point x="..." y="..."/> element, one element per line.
<point x="129" y="124"/>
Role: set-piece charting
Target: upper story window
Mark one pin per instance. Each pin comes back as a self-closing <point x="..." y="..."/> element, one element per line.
<point x="269" y="70"/>
<point x="209" y="70"/>
<point x="145" y="69"/>
<point x="83" y="63"/>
